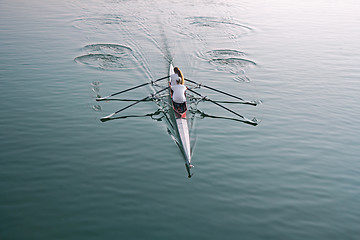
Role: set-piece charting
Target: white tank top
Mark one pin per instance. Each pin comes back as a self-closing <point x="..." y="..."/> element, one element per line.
<point x="179" y="93"/>
<point x="173" y="78"/>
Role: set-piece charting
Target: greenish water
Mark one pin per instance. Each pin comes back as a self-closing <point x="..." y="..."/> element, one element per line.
<point x="66" y="175"/>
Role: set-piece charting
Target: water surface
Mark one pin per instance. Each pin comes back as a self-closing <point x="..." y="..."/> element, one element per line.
<point x="65" y="174"/>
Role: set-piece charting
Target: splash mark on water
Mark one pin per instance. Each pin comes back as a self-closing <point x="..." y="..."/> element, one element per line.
<point x="214" y="22"/>
<point x="95" y="87"/>
<point x="229" y="60"/>
<point x="93" y="23"/>
<point x="231" y="64"/>
<point x="223" y="53"/>
<point x="97" y="108"/>
<point x="200" y="27"/>
<point x="110" y="57"/>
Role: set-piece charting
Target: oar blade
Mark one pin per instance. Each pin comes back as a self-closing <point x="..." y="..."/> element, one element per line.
<point x="102" y="98"/>
<point x="107" y="117"/>
<point x="253" y="122"/>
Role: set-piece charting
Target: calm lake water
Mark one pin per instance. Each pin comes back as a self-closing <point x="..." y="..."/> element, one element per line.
<point x="64" y="174"/>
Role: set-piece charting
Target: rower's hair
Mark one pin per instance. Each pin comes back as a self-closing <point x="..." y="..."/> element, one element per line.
<point x="179" y="73"/>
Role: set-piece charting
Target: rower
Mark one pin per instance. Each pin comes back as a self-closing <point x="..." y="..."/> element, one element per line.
<point x="177" y="75"/>
<point x="178" y="92"/>
<point x="173" y="78"/>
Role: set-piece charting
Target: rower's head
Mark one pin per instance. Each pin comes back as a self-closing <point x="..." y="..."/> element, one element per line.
<point x="178" y="81"/>
<point x="179" y="73"/>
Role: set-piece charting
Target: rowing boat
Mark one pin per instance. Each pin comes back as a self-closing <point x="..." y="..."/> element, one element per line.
<point x="177" y="119"/>
<point x="178" y="116"/>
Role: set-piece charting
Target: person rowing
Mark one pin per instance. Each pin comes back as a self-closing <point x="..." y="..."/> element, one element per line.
<point x="177" y="75"/>
<point x="178" y="92"/>
<point x="177" y="86"/>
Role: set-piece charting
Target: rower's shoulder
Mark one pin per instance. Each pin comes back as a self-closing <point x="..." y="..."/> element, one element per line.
<point x="174" y="76"/>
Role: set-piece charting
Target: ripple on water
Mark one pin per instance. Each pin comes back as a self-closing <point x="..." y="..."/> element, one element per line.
<point x="94" y="23"/>
<point x="220" y="27"/>
<point x="97" y="108"/>
<point x="229" y="60"/>
<point x="231" y="63"/>
<point x="95" y="87"/>
<point x="112" y="57"/>
<point x="215" y="22"/>
<point x="221" y="53"/>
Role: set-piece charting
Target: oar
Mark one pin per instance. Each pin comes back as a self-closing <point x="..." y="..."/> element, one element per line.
<point x="203" y="115"/>
<point x="228" y="109"/>
<point x="146" y="100"/>
<point x="232" y="102"/>
<point x="129" y="89"/>
<point x="253" y="103"/>
<point x="126" y="100"/>
<point x="141" y="100"/>
<point x="157" y="112"/>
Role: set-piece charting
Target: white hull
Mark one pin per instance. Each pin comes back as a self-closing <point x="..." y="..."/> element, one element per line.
<point x="184" y="137"/>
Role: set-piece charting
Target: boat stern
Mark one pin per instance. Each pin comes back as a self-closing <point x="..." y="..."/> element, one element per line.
<point x="188" y="167"/>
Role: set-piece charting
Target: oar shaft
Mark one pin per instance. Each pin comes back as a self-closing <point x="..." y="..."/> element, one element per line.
<point x="124" y="100"/>
<point x="141" y="100"/>
<point x="132" y="88"/>
<point x="129" y="89"/>
<point x="128" y="106"/>
<point x="228" y="109"/>
<point x="225" y="93"/>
